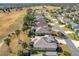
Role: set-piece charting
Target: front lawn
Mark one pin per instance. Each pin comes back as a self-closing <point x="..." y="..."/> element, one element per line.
<point x="66" y="29"/>
<point x="66" y="51"/>
<point x="73" y="36"/>
<point x="37" y="51"/>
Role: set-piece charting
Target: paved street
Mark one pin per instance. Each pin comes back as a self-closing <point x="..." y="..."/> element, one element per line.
<point x="71" y="46"/>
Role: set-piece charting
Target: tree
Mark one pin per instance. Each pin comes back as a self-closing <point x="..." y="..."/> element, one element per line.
<point x="28" y="20"/>
<point x="49" y="25"/>
<point x="7" y="41"/>
<point x="76" y="21"/>
<point x="9" y="35"/>
<point x="20" y="53"/>
<point x="24" y="45"/>
<point x="59" y="49"/>
<point x="31" y="44"/>
<point x="30" y="34"/>
<point x="24" y="28"/>
<point x="66" y="53"/>
<point x="69" y="26"/>
<point x="62" y="8"/>
<point x="17" y="32"/>
<point x="59" y="34"/>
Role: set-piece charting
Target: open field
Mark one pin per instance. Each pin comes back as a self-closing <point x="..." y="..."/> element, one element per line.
<point x="10" y="22"/>
<point x="14" y="46"/>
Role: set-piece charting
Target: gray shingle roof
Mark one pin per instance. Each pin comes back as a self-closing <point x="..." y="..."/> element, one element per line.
<point x="76" y="27"/>
<point x="43" y="30"/>
<point x="46" y="42"/>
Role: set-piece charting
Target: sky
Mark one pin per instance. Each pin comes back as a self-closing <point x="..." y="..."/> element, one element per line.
<point x="39" y="1"/>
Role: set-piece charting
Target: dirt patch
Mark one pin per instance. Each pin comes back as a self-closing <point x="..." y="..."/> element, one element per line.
<point x="10" y="22"/>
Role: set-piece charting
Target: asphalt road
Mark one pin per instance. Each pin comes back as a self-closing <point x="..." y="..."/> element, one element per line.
<point x="70" y="45"/>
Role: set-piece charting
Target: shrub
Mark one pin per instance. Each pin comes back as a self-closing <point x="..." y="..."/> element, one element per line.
<point x="66" y="53"/>
<point x="7" y="41"/>
<point x="17" y="32"/>
<point x="24" y="45"/>
<point x="59" y="49"/>
<point x="34" y="52"/>
<point x="20" y="53"/>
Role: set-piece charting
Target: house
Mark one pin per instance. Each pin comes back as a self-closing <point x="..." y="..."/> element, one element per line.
<point x="46" y="42"/>
<point x="41" y="26"/>
<point x="61" y="18"/>
<point x="43" y="30"/>
<point x="75" y="27"/>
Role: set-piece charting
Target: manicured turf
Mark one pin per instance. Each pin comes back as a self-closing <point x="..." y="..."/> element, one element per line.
<point x="65" y="48"/>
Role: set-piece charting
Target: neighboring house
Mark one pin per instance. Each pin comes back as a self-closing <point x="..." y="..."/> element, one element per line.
<point x="75" y="27"/>
<point x="44" y="30"/>
<point x="39" y="9"/>
<point x="61" y="18"/>
<point x="41" y="26"/>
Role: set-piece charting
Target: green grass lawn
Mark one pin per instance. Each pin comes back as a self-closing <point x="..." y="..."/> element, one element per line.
<point x="66" y="51"/>
<point x="78" y="48"/>
<point x="37" y="52"/>
<point x="66" y="29"/>
<point x="59" y="23"/>
<point x="73" y="36"/>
